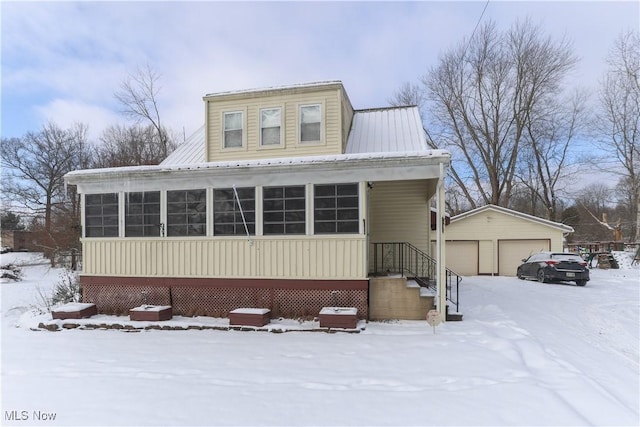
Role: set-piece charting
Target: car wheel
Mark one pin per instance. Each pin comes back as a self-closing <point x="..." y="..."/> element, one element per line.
<point x="519" y="274"/>
<point x="541" y="277"/>
<point x="581" y="282"/>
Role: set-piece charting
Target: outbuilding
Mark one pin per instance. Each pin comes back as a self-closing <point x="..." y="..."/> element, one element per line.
<point x="492" y="240"/>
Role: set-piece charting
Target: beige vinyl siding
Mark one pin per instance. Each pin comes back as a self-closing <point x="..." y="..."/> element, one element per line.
<point x="486" y="262"/>
<point x="491" y="227"/>
<point x="399" y="212"/>
<point x="303" y="257"/>
<point x="332" y="132"/>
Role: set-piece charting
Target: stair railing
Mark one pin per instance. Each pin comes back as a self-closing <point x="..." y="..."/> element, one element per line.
<point x="403" y="258"/>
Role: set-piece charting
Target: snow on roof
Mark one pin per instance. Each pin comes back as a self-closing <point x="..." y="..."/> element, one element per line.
<point x="384" y="130"/>
<point x="563" y="227"/>
<point x="268" y="162"/>
<point x="267" y="89"/>
<point x="395" y="129"/>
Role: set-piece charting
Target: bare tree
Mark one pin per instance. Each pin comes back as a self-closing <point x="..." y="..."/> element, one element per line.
<point x="482" y="96"/>
<point x="138" y="96"/>
<point x="33" y="174"/>
<point x="547" y="160"/>
<point x="408" y="94"/>
<point x="127" y="146"/>
<point x="618" y="120"/>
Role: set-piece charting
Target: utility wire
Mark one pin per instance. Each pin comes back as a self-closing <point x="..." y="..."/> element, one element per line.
<point x="476" y="27"/>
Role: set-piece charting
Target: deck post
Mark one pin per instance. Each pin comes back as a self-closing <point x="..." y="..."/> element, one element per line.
<point x="441" y="284"/>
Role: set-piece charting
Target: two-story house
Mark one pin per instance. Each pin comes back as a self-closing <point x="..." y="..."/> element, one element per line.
<point x="279" y="201"/>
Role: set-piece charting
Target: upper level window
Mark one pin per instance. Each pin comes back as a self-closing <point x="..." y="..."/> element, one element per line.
<point x="284" y="210"/>
<point x="310" y="123"/>
<point x="233" y="129"/>
<point x="142" y="214"/>
<point x="270" y="123"/>
<point x="336" y="208"/>
<point x="101" y="215"/>
<point x="186" y="213"/>
<point x="227" y="213"/>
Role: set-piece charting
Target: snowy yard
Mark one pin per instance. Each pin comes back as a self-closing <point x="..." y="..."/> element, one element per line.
<point x="525" y="354"/>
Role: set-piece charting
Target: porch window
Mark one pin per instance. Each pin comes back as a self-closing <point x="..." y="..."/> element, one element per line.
<point x="101" y="215"/>
<point x="336" y="208"/>
<point x="270" y="126"/>
<point x="142" y="214"/>
<point x="310" y="123"/>
<point x="284" y="210"/>
<point x="233" y="129"/>
<point x="186" y="213"/>
<point x="227" y="217"/>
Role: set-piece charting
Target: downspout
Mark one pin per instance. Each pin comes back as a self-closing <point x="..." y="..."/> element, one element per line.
<point x="441" y="288"/>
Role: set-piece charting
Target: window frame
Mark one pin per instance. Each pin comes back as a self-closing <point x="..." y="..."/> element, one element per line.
<point x="320" y="123"/>
<point x="225" y="130"/>
<point x="148" y="229"/>
<point x="348" y="207"/>
<point x="288" y="207"/>
<point x="261" y="143"/>
<point x="190" y="227"/>
<point x="237" y="223"/>
<point x="101" y="226"/>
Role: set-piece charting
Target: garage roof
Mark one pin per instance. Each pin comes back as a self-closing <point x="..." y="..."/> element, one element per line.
<point x="565" y="228"/>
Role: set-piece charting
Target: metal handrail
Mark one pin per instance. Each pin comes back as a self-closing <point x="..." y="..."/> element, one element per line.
<point x="406" y="259"/>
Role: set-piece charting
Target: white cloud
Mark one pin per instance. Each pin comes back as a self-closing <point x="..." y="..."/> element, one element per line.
<point x="69" y="58"/>
<point x="66" y="112"/>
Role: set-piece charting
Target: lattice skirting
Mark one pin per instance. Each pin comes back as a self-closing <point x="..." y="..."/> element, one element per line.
<point x="216" y="297"/>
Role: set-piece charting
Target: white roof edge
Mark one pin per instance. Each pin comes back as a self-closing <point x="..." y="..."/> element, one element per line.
<point x="284" y="87"/>
<point x="511" y="212"/>
<point x="282" y="161"/>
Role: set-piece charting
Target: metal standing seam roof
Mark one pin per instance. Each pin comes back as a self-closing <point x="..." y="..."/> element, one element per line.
<point x="397" y="129"/>
<point x="384" y="130"/>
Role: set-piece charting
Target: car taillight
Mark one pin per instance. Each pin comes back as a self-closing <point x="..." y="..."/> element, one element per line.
<point x="583" y="263"/>
<point x="551" y="262"/>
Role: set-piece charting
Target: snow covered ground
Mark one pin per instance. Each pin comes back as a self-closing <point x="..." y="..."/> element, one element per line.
<point x="526" y="354"/>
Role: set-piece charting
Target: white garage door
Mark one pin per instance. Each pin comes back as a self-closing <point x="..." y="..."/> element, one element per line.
<point x="462" y="257"/>
<point x="511" y="253"/>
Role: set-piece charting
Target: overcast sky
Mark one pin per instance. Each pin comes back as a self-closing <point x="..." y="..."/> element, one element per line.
<point x="62" y="61"/>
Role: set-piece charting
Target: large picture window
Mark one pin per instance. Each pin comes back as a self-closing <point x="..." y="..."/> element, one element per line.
<point x="187" y="213"/>
<point x="142" y="214"/>
<point x="310" y="123"/>
<point x="284" y="210"/>
<point x="101" y="215"/>
<point x="336" y="208"/>
<point x="227" y="217"/>
<point x="233" y="129"/>
<point x="270" y="123"/>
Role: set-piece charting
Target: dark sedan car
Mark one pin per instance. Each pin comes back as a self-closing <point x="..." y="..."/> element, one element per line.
<point x="554" y="266"/>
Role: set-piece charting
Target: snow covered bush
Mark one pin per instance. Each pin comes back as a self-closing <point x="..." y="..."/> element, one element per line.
<point x="67" y="289"/>
<point x="10" y="271"/>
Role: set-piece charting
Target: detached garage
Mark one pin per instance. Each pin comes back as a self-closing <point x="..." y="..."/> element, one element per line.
<point x="493" y="240"/>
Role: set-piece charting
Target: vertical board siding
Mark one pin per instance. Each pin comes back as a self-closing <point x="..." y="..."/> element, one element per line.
<point x="308" y="257"/>
<point x="399" y="212"/>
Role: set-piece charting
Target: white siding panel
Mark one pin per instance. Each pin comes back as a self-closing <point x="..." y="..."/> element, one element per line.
<point x="305" y="257"/>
